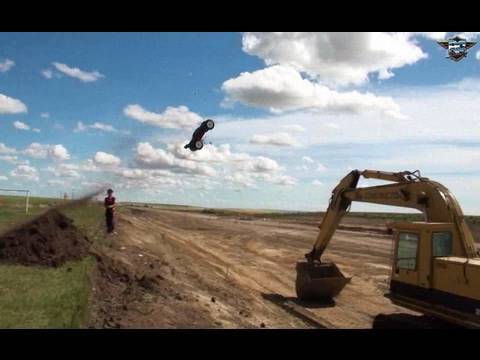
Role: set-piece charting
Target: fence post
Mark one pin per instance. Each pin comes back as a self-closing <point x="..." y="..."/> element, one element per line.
<point x="26" y="205"/>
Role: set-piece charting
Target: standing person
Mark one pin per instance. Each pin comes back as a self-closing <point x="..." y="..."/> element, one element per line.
<point x="109" y="210"/>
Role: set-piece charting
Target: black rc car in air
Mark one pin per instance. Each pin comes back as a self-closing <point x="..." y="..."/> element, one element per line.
<point x="196" y="143"/>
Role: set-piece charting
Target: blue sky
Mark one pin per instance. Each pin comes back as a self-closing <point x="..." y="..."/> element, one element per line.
<point x="294" y="113"/>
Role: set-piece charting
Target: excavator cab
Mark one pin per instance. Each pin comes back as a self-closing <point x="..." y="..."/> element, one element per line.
<point x="431" y="274"/>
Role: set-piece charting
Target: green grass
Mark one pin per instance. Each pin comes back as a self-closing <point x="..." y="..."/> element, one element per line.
<point x="12" y="209"/>
<point x="42" y="297"/>
<point x="34" y="297"/>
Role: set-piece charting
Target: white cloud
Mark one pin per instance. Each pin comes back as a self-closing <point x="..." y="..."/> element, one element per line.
<point x="97" y="126"/>
<point x="21" y="125"/>
<point x="308" y="159"/>
<point x="317" y="182"/>
<point x="294" y="128"/>
<point x="80" y="127"/>
<point x="430" y="35"/>
<point x="25" y="172"/>
<point x="321" y="167"/>
<point x="280" y="179"/>
<point x="76" y="73"/>
<point x="477" y="55"/>
<point x="10" y="105"/>
<point x="148" y="156"/>
<point x="47" y="73"/>
<point x="6" y="150"/>
<point x="103" y="127"/>
<point x="65" y="171"/>
<point x="172" y="117"/>
<point x="59" y="152"/>
<point x="41" y="151"/>
<point x="435" y="158"/>
<point x="278" y="139"/>
<point x="6" y="65"/>
<point x="470" y="35"/>
<point x="45" y="115"/>
<point x="218" y="162"/>
<point x="337" y="58"/>
<point x="433" y="115"/>
<point x="3" y="178"/>
<point x="282" y="88"/>
<point x="56" y="182"/>
<point x="37" y="151"/>
<point x="102" y="158"/>
<point x="13" y="159"/>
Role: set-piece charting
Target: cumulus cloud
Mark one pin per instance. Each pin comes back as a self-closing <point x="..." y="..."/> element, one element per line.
<point x="25" y="172"/>
<point x="10" y="105"/>
<point x="277" y="139"/>
<point x="477" y="55"/>
<point x="6" y="65"/>
<point x="13" y="159"/>
<point x="282" y="88"/>
<point x="64" y="171"/>
<point x="294" y="128"/>
<point x="43" y="151"/>
<point x="148" y="156"/>
<point x="3" y="178"/>
<point x="4" y="149"/>
<point x="105" y="159"/>
<point x="173" y="117"/>
<point x="21" y="125"/>
<point x="45" y="115"/>
<point x="337" y="58"/>
<point x="73" y="72"/>
<point x="219" y="162"/>
<point x="317" y="182"/>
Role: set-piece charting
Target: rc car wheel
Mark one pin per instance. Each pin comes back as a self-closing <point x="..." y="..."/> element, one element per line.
<point x="210" y="124"/>
<point x="198" y="145"/>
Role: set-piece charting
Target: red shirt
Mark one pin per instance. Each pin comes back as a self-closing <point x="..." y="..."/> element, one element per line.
<point x="109" y="201"/>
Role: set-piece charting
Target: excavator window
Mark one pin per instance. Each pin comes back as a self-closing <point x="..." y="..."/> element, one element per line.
<point x="441" y="243"/>
<point x="407" y="251"/>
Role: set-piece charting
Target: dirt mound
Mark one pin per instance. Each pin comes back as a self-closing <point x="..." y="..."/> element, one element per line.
<point x="50" y="239"/>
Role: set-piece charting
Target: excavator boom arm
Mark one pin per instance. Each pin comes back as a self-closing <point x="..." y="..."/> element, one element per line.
<point x="409" y="190"/>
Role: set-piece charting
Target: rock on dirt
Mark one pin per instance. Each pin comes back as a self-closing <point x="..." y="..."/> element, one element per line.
<point x="50" y="239"/>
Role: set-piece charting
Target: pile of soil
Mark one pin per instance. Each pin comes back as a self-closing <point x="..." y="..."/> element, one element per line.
<point x="50" y="239"/>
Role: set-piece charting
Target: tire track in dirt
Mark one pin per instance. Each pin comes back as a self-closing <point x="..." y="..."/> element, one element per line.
<point x="261" y="258"/>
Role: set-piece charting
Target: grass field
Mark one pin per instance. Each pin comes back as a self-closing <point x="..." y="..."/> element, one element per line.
<point x="41" y="297"/>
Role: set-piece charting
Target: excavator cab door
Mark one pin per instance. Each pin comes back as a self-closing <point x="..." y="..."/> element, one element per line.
<point x="406" y="264"/>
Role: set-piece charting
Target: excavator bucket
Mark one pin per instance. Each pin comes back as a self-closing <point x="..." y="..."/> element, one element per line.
<point x="319" y="281"/>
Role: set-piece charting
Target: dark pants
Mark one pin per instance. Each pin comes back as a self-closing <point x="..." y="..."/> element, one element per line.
<point x="109" y="218"/>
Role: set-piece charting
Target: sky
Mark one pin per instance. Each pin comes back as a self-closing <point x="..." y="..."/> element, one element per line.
<point x="293" y="112"/>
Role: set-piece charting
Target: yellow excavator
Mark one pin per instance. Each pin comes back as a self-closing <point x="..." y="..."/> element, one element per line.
<point x="436" y="267"/>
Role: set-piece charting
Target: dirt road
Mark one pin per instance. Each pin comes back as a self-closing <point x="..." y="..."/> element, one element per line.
<point x="170" y="269"/>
